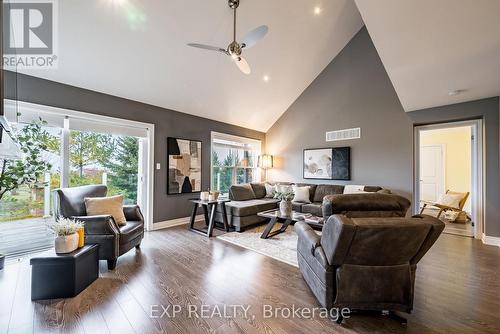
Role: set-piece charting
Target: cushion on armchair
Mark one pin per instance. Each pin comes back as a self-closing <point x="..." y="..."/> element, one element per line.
<point x="106" y="205"/>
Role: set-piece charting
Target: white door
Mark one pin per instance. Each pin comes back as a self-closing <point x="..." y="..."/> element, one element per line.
<point x="431" y="172"/>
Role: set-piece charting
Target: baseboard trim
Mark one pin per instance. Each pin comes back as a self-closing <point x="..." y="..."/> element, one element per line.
<point x="174" y="222"/>
<point x="492" y="241"/>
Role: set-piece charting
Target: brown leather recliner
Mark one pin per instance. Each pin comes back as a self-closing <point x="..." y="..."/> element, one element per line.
<point x="113" y="240"/>
<point x="365" y="263"/>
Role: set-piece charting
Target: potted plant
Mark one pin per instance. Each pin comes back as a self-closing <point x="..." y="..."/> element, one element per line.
<point x="2" y="261"/>
<point x="66" y="231"/>
<point x="285" y="202"/>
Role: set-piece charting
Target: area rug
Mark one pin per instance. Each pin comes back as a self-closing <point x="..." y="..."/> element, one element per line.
<point x="282" y="247"/>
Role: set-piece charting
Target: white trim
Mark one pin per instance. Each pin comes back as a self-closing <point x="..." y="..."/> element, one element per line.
<point x="174" y="222"/>
<point x="477" y="169"/>
<point x="492" y="241"/>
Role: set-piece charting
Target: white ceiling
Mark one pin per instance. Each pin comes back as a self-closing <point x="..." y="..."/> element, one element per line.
<point x="102" y="50"/>
<point x="432" y="47"/>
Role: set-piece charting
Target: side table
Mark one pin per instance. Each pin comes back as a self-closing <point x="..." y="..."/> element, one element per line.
<point x="209" y="208"/>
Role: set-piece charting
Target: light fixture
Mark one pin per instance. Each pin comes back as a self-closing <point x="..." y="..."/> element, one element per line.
<point x="265" y="78"/>
<point x="265" y="161"/>
<point x="317" y="10"/>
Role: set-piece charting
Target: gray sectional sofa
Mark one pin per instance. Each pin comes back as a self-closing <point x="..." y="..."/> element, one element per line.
<point x="326" y="199"/>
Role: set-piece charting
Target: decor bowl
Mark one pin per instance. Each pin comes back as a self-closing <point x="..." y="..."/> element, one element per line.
<point x="67" y="243"/>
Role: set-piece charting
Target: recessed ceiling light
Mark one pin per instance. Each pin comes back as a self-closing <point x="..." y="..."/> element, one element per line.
<point x="317" y="10"/>
<point x="265" y="78"/>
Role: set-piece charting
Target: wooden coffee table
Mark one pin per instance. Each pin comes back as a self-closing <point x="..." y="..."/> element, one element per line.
<point x="276" y="217"/>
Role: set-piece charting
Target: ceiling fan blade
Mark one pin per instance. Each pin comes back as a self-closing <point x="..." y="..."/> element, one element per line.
<point x="254" y="36"/>
<point x="242" y="65"/>
<point x="207" y="47"/>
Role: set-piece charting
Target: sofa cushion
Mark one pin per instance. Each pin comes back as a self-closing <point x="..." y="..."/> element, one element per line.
<point x="250" y="207"/>
<point x="270" y="190"/>
<point x="326" y="189"/>
<point x="313" y="208"/>
<point x="259" y="190"/>
<point x="297" y="206"/>
<point x="301" y="194"/>
<point x="312" y="189"/>
<point x="112" y="205"/>
<point x="241" y="192"/>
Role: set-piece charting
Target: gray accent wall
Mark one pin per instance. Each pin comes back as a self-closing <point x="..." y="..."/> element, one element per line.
<point x="168" y="123"/>
<point x="354" y="90"/>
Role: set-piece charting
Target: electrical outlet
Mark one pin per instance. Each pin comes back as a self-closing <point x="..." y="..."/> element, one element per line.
<point x="158" y="166"/>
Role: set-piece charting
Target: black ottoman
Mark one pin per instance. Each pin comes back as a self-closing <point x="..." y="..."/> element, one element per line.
<point x="65" y="275"/>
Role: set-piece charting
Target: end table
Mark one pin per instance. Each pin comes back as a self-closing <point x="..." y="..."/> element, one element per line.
<point x="209" y="207"/>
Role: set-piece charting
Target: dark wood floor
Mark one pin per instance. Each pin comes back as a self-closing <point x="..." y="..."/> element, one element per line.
<point x="457" y="291"/>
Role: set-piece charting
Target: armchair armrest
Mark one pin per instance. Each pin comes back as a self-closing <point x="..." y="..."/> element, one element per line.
<point x="133" y="213"/>
<point x="307" y="238"/>
<point x="99" y="225"/>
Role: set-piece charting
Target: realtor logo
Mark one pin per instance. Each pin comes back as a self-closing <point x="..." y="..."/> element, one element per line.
<point x="29" y="34"/>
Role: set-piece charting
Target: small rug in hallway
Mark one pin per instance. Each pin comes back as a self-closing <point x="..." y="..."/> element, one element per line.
<point x="282" y="247"/>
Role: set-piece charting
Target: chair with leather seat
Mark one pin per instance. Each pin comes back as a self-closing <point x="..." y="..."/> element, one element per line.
<point x="113" y="240"/>
<point x="365" y="263"/>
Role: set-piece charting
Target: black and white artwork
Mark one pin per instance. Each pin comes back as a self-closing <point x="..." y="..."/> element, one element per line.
<point x="327" y="163"/>
<point x="184" y="166"/>
<point x="318" y="163"/>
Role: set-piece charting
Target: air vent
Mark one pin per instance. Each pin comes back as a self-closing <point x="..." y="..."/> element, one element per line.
<point x="343" y="134"/>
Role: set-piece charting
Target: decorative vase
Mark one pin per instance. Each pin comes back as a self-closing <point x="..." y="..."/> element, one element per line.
<point x="81" y="237"/>
<point x="66" y="243"/>
<point x="286" y="208"/>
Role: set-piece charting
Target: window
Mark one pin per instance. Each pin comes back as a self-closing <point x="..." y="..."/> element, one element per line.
<point x="234" y="161"/>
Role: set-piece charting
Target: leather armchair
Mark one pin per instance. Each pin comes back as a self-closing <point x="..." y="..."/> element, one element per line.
<point x="113" y="240"/>
<point x="365" y="263"/>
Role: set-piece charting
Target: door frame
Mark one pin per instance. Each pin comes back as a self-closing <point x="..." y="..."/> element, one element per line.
<point x="477" y="168"/>
<point x="442" y="184"/>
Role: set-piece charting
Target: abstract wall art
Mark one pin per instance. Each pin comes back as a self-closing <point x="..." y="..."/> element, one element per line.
<point x="327" y="163"/>
<point x="184" y="166"/>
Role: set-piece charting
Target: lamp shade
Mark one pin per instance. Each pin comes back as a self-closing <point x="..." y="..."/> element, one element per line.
<point x="265" y="161"/>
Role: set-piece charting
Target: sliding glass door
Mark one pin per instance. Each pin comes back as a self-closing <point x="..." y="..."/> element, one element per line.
<point x="64" y="150"/>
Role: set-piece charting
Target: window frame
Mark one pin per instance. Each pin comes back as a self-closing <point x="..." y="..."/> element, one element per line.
<point x="239" y="139"/>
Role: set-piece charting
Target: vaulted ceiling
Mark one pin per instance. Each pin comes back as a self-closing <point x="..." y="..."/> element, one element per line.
<point x="137" y="49"/>
<point x="437" y="52"/>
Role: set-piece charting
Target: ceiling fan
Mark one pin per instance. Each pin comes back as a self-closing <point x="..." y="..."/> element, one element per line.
<point x="234" y="49"/>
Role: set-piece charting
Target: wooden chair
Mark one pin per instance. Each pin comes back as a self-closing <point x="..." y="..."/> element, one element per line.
<point x="443" y="208"/>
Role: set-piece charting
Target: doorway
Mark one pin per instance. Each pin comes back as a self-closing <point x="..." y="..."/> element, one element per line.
<point x="449" y="175"/>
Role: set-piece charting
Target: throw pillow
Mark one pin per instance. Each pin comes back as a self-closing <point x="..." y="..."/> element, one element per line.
<point x="270" y="190"/>
<point x="283" y="188"/>
<point x="451" y="199"/>
<point x="241" y="192"/>
<point x="301" y="194"/>
<point x="353" y="189"/>
<point x="106" y="206"/>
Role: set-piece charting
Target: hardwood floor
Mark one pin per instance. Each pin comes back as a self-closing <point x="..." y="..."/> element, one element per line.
<point x="457" y="291"/>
